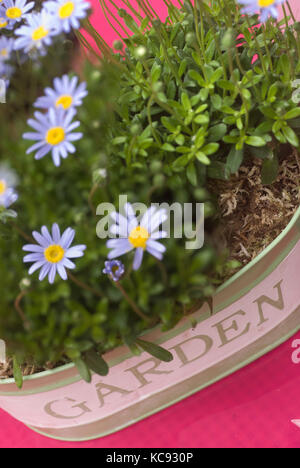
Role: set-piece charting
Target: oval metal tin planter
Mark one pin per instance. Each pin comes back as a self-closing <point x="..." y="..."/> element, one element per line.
<point x="253" y="312"/>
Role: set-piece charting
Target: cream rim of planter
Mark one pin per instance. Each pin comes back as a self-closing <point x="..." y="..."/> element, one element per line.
<point x="284" y="247"/>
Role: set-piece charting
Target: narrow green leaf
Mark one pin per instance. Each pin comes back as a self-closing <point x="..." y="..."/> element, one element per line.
<point x="18" y="376"/>
<point x="211" y="148"/>
<point x="234" y="160"/>
<point x="182" y="68"/>
<point x="83" y="370"/>
<point x="201" y="119"/>
<point x="291" y="136"/>
<point x="192" y="174"/>
<point x="292" y="114"/>
<point x="169" y="123"/>
<point x="269" y="171"/>
<point x="217" y="132"/>
<point x="197" y="77"/>
<point x="216" y="101"/>
<point x="225" y="84"/>
<point x="181" y="161"/>
<point x="168" y="147"/>
<point x="255" y="141"/>
<point x="155" y="73"/>
<point x="119" y="140"/>
<point x="96" y="363"/>
<point x="155" y="350"/>
<point x="202" y="158"/>
<point x="216" y="75"/>
<point x="185" y="102"/>
<point x="218" y="170"/>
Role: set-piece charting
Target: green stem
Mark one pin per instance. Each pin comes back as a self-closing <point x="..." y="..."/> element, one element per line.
<point x="291" y="11"/>
<point x="131" y="302"/>
<point x="90" y="198"/>
<point x="258" y="49"/>
<point x="267" y="48"/>
<point x="82" y="285"/>
<point x="288" y="44"/>
<point x="19" y="309"/>
<point x="22" y="233"/>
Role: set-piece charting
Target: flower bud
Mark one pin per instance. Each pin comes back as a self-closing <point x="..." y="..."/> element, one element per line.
<point x="25" y="283"/>
<point x="118" y="45"/>
<point x="140" y="52"/>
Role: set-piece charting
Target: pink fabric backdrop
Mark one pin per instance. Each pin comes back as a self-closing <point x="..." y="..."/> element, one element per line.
<point x="252" y="408"/>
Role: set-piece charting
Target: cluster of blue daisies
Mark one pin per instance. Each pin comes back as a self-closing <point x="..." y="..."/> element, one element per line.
<point x="53" y="129"/>
<point x="33" y="31"/>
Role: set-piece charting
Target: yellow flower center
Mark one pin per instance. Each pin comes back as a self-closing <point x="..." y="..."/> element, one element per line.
<point x="3" y="23"/>
<point x="138" y="237"/>
<point x="54" y="253"/>
<point x="39" y="33"/>
<point x="13" y="13"/>
<point x="4" y="53"/>
<point x="64" y="101"/>
<point x="55" y="136"/>
<point x="2" y="187"/>
<point x="66" y="10"/>
<point x="265" y="3"/>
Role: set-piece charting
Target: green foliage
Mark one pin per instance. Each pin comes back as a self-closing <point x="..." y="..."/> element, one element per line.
<point x="179" y="105"/>
<point x="200" y="97"/>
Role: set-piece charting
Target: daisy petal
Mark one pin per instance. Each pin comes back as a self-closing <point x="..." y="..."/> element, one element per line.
<point x="138" y="258"/>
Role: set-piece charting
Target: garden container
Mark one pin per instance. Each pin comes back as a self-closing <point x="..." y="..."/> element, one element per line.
<point x="252" y="313"/>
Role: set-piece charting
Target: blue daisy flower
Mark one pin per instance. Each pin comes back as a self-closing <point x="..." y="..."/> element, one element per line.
<point x="8" y="196"/>
<point x="15" y="10"/>
<point x="137" y="236"/>
<point x="54" y="132"/>
<point x="266" y="8"/>
<point x="66" y="93"/>
<point x="53" y="252"/>
<point x="4" y="24"/>
<point x="67" y="13"/>
<point x="8" y="181"/>
<point x="6" y="72"/>
<point x="36" y="34"/>
<point x="115" y="269"/>
<point x="6" y="48"/>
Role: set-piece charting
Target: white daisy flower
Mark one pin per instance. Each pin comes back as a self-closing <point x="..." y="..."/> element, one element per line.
<point x="67" y="13"/>
<point x="36" y="34"/>
<point x="53" y="252"/>
<point x="8" y="181"/>
<point x="137" y="236"/>
<point x="6" y="48"/>
<point x="266" y="8"/>
<point x="53" y="133"/>
<point x="66" y="93"/>
<point x="15" y="10"/>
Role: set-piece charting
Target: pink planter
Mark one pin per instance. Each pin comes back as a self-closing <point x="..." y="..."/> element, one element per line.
<point x="253" y="312"/>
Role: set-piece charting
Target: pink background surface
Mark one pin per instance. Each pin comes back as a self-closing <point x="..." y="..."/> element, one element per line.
<point x="252" y="408"/>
